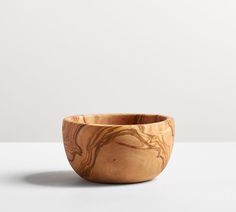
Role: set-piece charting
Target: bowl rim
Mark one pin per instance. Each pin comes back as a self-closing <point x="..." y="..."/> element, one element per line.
<point x="166" y="121"/>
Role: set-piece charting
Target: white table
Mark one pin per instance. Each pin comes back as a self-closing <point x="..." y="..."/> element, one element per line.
<point x="37" y="177"/>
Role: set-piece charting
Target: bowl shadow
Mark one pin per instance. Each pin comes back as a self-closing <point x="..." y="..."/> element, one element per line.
<point x="62" y="179"/>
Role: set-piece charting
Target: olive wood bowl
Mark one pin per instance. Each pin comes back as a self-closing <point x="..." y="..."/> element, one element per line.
<point x="118" y="148"/>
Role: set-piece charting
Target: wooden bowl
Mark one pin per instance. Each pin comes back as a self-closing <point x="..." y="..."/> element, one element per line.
<point x="118" y="148"/>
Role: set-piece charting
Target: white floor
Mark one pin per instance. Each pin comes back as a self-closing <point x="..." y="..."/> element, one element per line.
<point x="37" y="177"/>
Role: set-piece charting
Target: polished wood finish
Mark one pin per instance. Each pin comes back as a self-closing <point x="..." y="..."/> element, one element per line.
<point x="118" y="148"/>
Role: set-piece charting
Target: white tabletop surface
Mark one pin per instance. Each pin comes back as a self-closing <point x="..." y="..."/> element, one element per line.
<point x="37" y="177"/>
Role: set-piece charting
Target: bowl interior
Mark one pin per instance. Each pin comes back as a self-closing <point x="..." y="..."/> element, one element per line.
<point x="117" y="119"/>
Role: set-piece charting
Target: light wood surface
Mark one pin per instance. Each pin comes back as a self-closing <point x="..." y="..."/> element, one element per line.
<point x="118" y="148"/>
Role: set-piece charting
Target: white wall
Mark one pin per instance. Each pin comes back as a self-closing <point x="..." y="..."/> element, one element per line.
<point x="59" y="58"/>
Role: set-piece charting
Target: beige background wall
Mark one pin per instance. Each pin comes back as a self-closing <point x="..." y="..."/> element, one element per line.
<point x="67" y="57"/>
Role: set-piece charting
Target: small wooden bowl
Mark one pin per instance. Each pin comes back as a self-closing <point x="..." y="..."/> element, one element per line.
<point x="118" y="148"/>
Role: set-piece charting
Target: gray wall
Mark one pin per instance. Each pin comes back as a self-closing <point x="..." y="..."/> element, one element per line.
<point x="70" y="57"/>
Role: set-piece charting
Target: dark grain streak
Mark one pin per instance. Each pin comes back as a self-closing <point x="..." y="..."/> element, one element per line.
<point x="105" y="135"/>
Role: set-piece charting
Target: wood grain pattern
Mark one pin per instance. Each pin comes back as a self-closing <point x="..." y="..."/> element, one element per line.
<point x="118" y="148"/>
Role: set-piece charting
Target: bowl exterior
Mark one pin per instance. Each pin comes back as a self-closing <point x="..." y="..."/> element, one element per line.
<point x="118" y="154"/>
